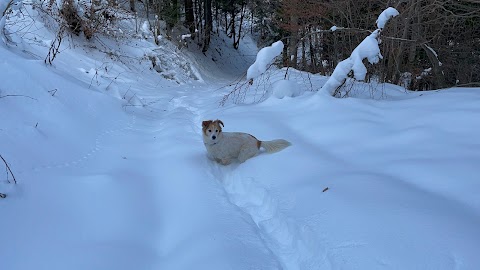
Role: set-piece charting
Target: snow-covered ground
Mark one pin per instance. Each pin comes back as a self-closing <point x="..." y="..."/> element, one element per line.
<point x="112" y="172"/>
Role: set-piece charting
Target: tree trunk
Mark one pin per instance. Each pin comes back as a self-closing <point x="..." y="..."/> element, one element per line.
<point x="132" y="6"/>
<point x="293" y="41"/>
<point x="304" y="56"/>
<point x="189" y="17"/>
<point x="313" y="57"/>
<point x="436" y="66"/>
<point x="236" y="42"/>
<point x="208" y="24"/>
<point x="232" y="29"/>
<point x="198" y="21"/>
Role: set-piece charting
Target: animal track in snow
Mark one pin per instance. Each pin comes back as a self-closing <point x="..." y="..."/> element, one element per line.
<point x="97" y="147"/>
<point x="295" y="247"/>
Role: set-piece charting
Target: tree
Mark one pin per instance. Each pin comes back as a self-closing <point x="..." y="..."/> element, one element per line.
<point x="189" y="16"/>
<point x="208" y="24"/>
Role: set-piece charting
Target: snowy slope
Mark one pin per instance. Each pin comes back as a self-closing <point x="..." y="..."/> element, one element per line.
<point x="112" y="171"/>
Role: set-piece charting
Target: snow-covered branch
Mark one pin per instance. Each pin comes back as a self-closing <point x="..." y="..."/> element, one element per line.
<point x="367" y="49"/>
<point x="385" y="16"/>
<point x="264" y="59"/>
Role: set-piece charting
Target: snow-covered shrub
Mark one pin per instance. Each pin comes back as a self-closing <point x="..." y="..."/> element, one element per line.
<point x="264" y="59"/>
<point x="69" y="13"/>
<point x="89" y="17"/>
<point x="353" y="66"/>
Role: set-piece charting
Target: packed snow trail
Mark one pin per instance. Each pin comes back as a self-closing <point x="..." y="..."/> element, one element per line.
<point x="295" y="248"/>
<point x="184" y="106"/>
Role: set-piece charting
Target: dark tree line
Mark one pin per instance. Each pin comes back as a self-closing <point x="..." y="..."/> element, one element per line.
<point x="432" y="43"/>
<point x="201" y="18"/>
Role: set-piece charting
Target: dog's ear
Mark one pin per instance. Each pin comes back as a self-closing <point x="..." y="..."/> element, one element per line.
<point x="206" y="123"/>
<point x="220" y="122"/>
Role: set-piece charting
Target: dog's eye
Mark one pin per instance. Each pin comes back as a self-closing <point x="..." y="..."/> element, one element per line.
<point x="216" y="130"/>
<point x="209" y="130"/>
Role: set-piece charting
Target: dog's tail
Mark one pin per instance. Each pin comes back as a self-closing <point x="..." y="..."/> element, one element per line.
<point x="275" y="145"/>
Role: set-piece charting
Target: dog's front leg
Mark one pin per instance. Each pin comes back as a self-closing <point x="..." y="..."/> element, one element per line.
<point x="225" y="161"/>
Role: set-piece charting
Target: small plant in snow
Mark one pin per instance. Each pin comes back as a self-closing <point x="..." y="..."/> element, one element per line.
<point x="9" y="174"/>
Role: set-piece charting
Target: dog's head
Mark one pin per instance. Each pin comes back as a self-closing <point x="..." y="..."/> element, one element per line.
<point x="212" y="131"/>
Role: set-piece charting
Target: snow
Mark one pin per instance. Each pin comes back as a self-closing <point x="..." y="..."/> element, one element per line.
<point x="367" y="49"/>
<point x="285" y="88"/>
<point x="3" y="7"/>
<point x="264" y="59"/>
<point x="112" y="171"/>
<point x="145" y="28"/>
<point x="2" y="31"/>
<point x="386" y="15"/>
<point x="434" y="53"/>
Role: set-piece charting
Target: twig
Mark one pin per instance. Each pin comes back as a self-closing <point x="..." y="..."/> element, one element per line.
<point x="8" y="170"/>
<point x="18" y="96"/>
<point x="54" y="49"/>
<point x="53" y="92"/>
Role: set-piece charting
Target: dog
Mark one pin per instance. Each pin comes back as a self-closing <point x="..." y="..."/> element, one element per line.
<point x="226" y="147"/>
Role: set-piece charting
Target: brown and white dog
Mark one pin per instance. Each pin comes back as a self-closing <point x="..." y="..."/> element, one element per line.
<point x="225" y="147"/>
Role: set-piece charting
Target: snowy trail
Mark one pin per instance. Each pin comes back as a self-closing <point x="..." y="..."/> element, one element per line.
<point x="126" y="168"/>
<point x="295" y="247"/>
<point x="131" y="180"/>
<point x="181" y="131"/>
